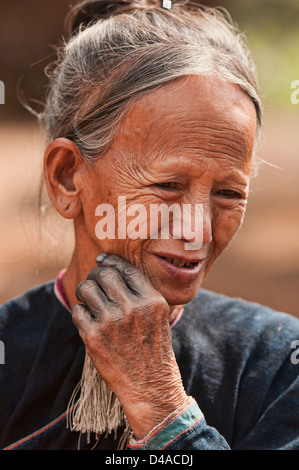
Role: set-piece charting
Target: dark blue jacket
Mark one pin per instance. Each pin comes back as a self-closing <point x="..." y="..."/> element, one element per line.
<point x="237" y="359"/>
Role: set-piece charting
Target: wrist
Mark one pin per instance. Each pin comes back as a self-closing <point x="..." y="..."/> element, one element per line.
<point x="178" y="422"/>
<point x="143" y="416"/>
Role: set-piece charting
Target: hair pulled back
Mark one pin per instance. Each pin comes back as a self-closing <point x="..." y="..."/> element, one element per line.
<point x="119" y="50"/>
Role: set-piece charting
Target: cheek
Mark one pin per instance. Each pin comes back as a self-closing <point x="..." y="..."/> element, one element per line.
<point x="225" y="226"/>
<point x="109" y="227"/>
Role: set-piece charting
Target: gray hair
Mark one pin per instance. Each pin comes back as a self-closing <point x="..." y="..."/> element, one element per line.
<point x="113" y="59"/>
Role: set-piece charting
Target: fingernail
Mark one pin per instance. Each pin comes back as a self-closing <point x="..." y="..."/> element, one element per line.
<point x="100" y="258"/>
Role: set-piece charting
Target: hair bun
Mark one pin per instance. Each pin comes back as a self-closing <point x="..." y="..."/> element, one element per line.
<point x="89" y="11"/>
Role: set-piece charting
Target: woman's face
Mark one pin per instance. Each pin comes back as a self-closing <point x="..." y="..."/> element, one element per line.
<point x="189" y="142"/>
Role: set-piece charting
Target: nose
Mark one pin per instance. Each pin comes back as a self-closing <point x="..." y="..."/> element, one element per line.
<point x="194" y="226"/>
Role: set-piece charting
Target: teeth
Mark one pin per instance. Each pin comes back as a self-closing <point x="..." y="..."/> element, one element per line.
<point x="179" y="263"/>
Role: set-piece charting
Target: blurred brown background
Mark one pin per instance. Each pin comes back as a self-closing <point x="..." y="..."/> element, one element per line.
<point x="262" y="263"/>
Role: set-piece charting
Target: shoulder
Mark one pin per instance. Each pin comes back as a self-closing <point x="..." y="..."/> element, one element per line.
<point x="235" y="315"/>
<point x="32" y="295"/>
<point x="38" y="337"/>
<point x="23" y="318"/>
<point x="235" y="327"/>
<point x="28" y="303"/>
<point x="25" y="323"/>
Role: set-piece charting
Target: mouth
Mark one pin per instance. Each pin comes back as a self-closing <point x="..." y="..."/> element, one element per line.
<point x="180" y="267"/>
<point x="180" y="263"/>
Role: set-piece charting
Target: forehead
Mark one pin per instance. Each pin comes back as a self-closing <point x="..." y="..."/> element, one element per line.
<point x="194" y="115"/>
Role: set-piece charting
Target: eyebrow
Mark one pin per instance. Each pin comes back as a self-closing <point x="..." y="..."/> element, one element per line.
<point x="171" y="166"/>
<point x="238" y="174"/>
<point x="167" y="160"/>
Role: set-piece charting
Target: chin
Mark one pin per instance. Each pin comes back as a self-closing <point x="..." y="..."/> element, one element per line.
<point x="179" y="296"/>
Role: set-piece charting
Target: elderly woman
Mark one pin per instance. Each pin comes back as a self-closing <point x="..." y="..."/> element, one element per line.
<point x="153" y="105"/>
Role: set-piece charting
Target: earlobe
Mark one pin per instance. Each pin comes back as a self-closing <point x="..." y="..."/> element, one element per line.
<point x="62" y="165"/>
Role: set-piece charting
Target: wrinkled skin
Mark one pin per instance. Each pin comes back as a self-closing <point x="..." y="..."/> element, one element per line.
<point x="190" y="141"/>
<point x="127" y="313"/>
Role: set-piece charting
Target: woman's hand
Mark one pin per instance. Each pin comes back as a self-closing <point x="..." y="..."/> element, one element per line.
<point x="124" y="323"/>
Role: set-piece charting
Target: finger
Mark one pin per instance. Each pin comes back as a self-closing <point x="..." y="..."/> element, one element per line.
<point x="111" y="281"/>
<point x="93" y="297"/>
<point x="134" y="278"/>
<point x="82" y="318"/>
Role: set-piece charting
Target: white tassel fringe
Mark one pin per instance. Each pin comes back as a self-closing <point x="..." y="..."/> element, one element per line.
<point x="98" y="409"/>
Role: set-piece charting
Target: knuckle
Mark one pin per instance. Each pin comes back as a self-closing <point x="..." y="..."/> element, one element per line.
<point x="152" y="306"/>
<point x="93" y="273"/>
<point x="106" y="272"/>
<point x="78" y="318"/>
<point x="111" y="259"/>
<point x="117" y="262"/>
<point x="159" y="302"/>
<point x="84" y="288"/>
<point x="78" y="290"/>
<point x="92" y="339"/>
<point x="130" y="271"/>
<point x="97" y="274"/>
<point x="129" y="308"/>
<point x="76" y="313"/>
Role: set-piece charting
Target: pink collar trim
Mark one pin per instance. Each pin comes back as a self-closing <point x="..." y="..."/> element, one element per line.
<point x="177" y="318"/>
<point x="62" y="297"/>
<point x="60" y="291"/>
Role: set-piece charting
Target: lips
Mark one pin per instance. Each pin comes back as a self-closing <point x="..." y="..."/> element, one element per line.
<point x="180" y="267"/>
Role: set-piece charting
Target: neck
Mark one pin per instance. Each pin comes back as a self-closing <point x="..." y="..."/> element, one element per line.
<point x="72" y="277"/>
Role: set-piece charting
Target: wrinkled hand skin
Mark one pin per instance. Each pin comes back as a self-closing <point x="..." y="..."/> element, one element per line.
<point x="124" y="323"/>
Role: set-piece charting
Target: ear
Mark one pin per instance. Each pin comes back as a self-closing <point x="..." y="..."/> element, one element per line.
<point x="62" y="165"/>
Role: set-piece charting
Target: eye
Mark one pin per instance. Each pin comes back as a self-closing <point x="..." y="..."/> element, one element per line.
<point x="229" y="194"/>
<point x="167" y="185"/>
